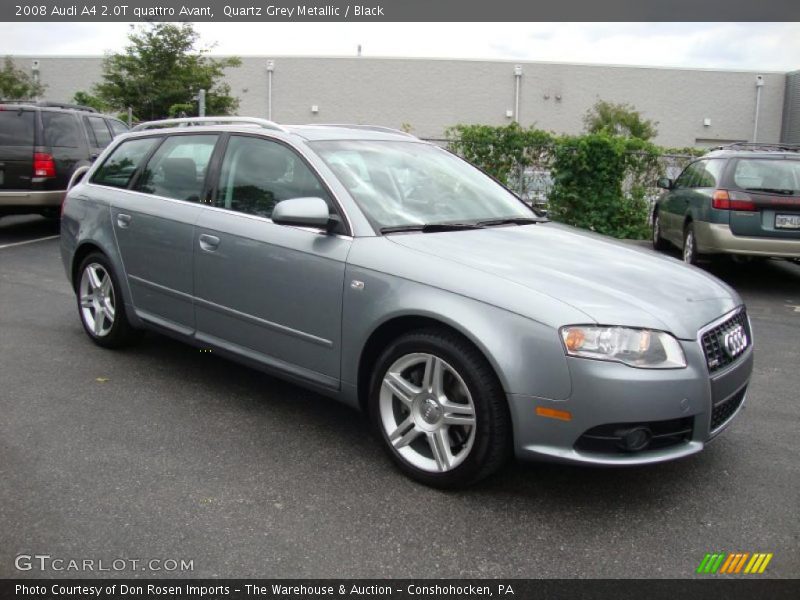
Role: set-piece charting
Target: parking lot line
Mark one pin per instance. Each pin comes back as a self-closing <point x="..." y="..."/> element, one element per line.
<point x="49" y="237"/>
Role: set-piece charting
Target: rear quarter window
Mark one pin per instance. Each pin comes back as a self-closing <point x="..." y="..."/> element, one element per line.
<point x="17" y="127"/>
<point x="61" y="130"/>
<point x="117" y="127"/>
<point x="120" y="166"/>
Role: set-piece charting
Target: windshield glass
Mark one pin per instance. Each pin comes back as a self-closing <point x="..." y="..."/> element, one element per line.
<point x="411" y="183"/>
<point x="771" y="175"/>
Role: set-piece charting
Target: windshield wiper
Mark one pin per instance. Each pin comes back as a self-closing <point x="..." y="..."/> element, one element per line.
<point x="513" y="221"/>
<point x="783" y="191"/>
<point x="430" y="227"/>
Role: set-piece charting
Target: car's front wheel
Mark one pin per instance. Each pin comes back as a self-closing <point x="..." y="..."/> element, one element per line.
<point x="439" y="409"/>
<point x="100" y="304"/>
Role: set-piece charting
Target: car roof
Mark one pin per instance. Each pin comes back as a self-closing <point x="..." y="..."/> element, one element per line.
<point x="755" y="150"/>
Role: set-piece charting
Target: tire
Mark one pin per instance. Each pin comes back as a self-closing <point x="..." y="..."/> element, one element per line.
<point x="100" y="306"/>
<point x="690" y="255"/>
<point x="659" y="243"/>
<point x="448" y="438"/>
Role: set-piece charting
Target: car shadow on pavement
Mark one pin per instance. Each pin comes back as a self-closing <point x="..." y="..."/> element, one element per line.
<point x="20" y="228"/>
<point x="345" y="437"/>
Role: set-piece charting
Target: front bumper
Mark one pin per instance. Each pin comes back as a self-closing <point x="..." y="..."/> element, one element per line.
<point x="716" y="238"/>
<point x="611" y="393"/>
<point x="19" y="199"/>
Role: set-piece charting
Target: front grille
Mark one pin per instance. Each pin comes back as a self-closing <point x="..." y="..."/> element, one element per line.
<point x="718" y="354"/>
<point x="723" y="411"/>
<point x="606" y="438"/>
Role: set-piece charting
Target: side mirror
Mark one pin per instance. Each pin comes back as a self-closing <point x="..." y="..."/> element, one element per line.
<point x="665" y="183"/>
<point x="302" y="212"/>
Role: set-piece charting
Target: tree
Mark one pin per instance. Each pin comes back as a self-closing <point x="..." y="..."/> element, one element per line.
<point x="16" y="84"/>
<point x="161" y="68"/>
<point x="619" y="119"/>
<point x="87" y="99"/>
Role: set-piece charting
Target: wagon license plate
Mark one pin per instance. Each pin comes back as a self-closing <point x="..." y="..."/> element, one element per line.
<point x="787" y="221"/>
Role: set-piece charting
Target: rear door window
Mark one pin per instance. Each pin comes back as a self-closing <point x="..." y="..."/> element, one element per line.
<point x="16" y="127"/>
<point x="61" y="130"/>
<point x="98" y="130"/>
<point x="178" y="168"/>
<point x="118" y="169"/>
<point x="706" y="173"/>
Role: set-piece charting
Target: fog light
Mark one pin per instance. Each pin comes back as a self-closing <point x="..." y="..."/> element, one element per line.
<point x="635" y="439"/>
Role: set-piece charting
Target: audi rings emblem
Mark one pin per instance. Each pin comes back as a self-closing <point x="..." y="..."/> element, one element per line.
<point x="735" y="341"/>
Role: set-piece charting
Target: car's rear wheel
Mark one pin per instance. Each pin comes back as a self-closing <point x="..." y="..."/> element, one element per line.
<point x="690" y="254"/>
<point x="439" y="409"/>
<point x="100" y="304"/>
<point x="659" y="243"/>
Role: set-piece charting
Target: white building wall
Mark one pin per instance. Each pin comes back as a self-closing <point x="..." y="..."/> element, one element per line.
<point x="431" y="95"/>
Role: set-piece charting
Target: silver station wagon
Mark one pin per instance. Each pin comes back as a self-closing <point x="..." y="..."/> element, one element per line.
<point x="391" y="275"/>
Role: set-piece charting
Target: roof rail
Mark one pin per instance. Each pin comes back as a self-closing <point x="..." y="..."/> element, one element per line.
<point x="200" y="121"/>
<point x="50" y="104"/>
<point x="365" y="127"/>
<point x="760" y="147"/>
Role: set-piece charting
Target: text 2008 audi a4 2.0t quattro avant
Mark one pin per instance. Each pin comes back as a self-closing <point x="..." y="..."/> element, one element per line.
<point x="390" y="274"/>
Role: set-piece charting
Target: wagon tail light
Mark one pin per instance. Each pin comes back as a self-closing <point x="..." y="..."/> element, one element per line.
<point x="728" y="200"/>
<point x="44" y="167"/>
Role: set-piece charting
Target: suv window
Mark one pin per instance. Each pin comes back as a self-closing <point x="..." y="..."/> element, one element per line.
<point x="178" y="168"/>
<point x="258" y="173"/>
<point x="98" y="131"/>
<point x="117" y="127"/>
<point x="16" y="127"/>
<point x="61" y="130"/>
<point x="118" y="169"/>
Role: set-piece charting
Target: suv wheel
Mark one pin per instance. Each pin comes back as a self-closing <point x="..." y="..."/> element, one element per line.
<point x="439" y="409"/>
<point x="100" y="304"/>
<point x="659" y="243"/>
<point x="690" y="254"/>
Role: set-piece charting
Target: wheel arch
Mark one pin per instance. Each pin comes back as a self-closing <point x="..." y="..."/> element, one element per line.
<point x="395" y="326"/>
<point x="81" y="252"/>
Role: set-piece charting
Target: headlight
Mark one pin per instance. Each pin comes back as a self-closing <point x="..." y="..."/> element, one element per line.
<point x="643" y="348"/>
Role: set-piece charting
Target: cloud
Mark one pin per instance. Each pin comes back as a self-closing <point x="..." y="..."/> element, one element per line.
<point x="751" y="46"/>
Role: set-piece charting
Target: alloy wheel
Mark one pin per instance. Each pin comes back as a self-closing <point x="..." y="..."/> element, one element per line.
<point x="427" y="412"/>
<point x="96" y="292"/>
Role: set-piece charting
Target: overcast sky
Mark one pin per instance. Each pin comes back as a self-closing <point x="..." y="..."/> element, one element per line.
<point x="750" y="46"/>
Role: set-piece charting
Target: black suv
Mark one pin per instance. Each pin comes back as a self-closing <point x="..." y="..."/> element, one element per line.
<point x="41" y="146"/>
<point x="742" y="199"/>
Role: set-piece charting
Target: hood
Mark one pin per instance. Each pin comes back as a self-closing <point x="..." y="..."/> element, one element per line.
<point x="612" y="282"/>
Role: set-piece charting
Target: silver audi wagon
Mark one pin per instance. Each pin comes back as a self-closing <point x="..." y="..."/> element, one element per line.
<point x="389" y="274"/>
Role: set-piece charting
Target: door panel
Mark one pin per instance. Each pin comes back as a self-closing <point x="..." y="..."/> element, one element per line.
<point x="271" y="289"/>
<point x="155" y="237"/>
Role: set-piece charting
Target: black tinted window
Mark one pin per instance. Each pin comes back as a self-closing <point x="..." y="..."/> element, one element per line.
<point x="98" y="130"/>
<point x="117" y="127"/>
<point x="120" y="166"/>
<point x="16" y="127"/>
<point x="61" y="130"/>
<point x="178" y="168"/>
<point x="257" y="174"/>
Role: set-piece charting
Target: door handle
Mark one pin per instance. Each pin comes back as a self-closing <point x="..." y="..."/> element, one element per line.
<point x="209" y="243"/>
<point x="123" y="220"/>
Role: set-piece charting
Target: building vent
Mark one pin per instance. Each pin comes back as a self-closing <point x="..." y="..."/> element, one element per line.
<point x="790" y="133"/>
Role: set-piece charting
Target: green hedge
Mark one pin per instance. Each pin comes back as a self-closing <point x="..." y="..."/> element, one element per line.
<point x="600" y="182"/>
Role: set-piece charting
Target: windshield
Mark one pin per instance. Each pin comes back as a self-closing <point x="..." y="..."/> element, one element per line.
<point x="769" y="175"/>
<point x="411" y="183"/>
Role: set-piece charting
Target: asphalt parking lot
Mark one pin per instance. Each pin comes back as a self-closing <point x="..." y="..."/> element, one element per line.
<point x="161" y="451"/>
